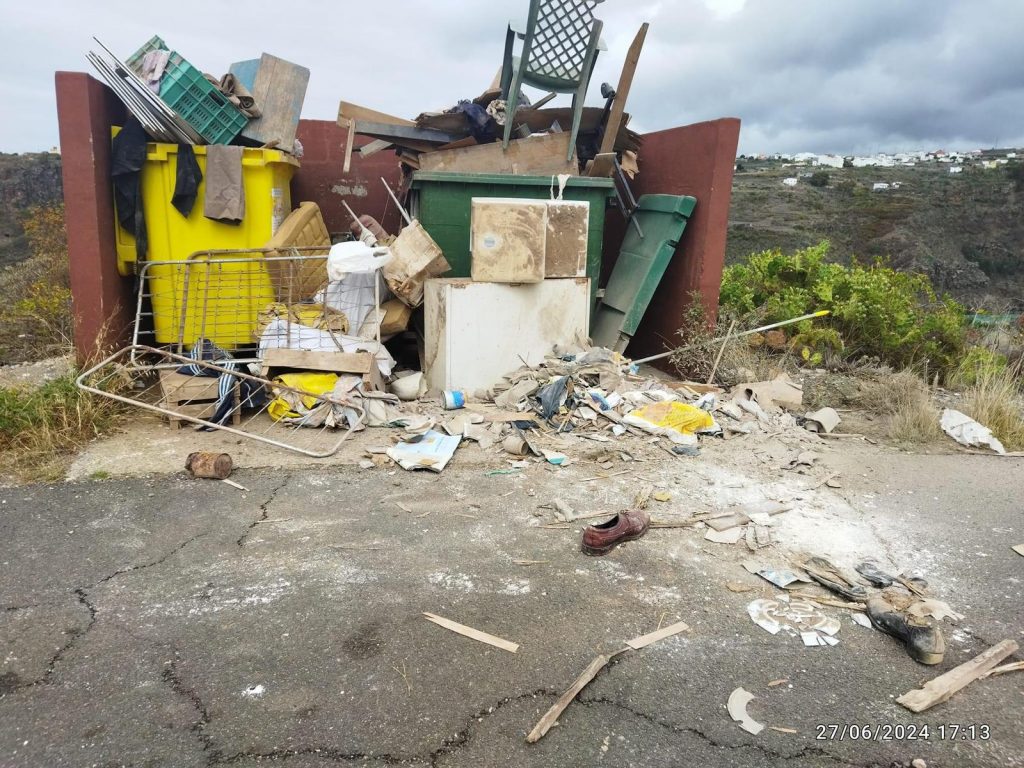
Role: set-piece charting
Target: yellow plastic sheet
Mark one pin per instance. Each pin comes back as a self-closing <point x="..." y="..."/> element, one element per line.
<point x="292" y="405"/>
<point x="661" y="418"/>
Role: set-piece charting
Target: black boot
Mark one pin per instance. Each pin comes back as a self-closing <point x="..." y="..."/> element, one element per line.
<point x="922" y="636"/>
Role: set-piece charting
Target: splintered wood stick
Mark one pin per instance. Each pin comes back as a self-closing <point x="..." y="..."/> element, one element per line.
<point x="941" y="688"/>
<point x="652" y="637"/>
<point x="551" y="716"/>
<point x="475" y="634"/>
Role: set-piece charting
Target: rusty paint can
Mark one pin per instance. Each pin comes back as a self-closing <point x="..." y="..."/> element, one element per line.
<point x="208" y="464"/>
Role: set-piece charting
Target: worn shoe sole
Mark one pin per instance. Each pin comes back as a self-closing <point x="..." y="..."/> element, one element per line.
<point x="606" y="549"/>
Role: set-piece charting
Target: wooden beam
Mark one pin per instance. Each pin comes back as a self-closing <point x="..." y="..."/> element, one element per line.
<point x="349" y="111"/>
<point x="374" y="147"/>
<point x="539" y="156"/>
<point x="402" y="132"/>
<point x="611" y="128"/>
<point x="652" y="637"/>
<point x="944" y="686"/>
<point x="350" y="135"/>
<point x="304" y="360"/>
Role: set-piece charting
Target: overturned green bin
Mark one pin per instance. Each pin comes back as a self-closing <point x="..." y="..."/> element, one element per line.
<point x="642" y="262"/>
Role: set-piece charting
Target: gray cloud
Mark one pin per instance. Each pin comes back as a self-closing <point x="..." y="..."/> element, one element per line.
<point x="837" y="76"/>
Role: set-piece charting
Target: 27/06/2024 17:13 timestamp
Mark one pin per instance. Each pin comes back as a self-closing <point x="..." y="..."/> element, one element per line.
<point x="902" y="732"/>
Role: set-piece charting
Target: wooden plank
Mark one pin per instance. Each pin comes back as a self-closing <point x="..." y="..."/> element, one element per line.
<point x="602" y="166"/>
<point x="475" y="634"/>
<point x="279" y="89"/>
<point x="350" y="135"/>
<point x="349" y="111"/>
<point x="551" y="716"/>
<point x="611" y="130"/>
<point x="539" y="156"/>
<point x="652" y="637"/>
<point x="374" y="147"/>
<point x="337" y="362"/>
<point x="941" y="688"/>
<point x="396" y="133"/>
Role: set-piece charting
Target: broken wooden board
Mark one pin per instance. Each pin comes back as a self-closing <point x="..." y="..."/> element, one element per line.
<point x="349" y="111"/>
<point x="608" y="141"/>
<point x="602" y="166"/>
<point x="419" y="139"/>
<point x="652" y="637"/>
<point x="943" y="687"/>
<point x="474" y="634"/>
<point x="551" y="716"/>
<point x="536" y="156"/>
<point x="279" y="89"/>
<point x="374" y="147"/>
<point x="304" y="360"/>
<point x="1018" y="548"/>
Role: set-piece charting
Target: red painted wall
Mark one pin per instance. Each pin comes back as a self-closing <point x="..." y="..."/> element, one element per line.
<point x="102" y="299"/>
<point x="321" y="179"/>
<point x="692" y="160"/>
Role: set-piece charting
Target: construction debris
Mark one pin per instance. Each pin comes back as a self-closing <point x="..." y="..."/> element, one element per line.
<point x="969" y="432"/>
<point x="551" y="716"/>
<point x="475" y="634"/>
<point x="943" y="687"/>
<point x="737" y="706"/>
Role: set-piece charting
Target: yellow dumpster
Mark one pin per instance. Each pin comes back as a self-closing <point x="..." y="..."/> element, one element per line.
<point x="219" y="301"/>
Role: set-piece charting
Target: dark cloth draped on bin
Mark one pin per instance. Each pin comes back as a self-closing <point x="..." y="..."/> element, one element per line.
<point x="127" y="156"/>
<point x="225" y="195"/>
<point x="186" y="180"/>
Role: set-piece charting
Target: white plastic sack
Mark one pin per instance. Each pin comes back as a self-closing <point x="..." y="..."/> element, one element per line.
<point x="352" y="269"/>
<point x="967" y="431"/>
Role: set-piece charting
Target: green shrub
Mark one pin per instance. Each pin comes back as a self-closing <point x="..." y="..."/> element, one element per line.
<point x="818" y="179"/>
<point x="980" y="363"/>
<point x="876" y="310"/>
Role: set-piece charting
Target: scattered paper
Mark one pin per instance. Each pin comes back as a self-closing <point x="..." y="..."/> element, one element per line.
<point x="792" y="616"/>
<point x="432" y="451"/>
<point x="728" y="536"/>
<point x="862" y="619"/>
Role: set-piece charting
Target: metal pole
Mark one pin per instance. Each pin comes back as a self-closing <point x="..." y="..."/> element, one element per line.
<point x="400" y="208"/>
<point x="663" y="355"/>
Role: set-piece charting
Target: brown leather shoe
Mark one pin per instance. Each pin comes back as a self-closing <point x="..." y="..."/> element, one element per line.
<point x="625" y="526"/>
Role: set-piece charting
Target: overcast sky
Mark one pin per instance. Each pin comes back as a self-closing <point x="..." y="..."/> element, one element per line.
<point x="837" y="76"/>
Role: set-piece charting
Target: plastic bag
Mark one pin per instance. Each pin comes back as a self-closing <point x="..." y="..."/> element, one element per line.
<point x="677" y="421"/>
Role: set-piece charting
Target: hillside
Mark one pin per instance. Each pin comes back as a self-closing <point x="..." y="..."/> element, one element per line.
<point x="25" y="181"/>
<point x="966" y="230"/>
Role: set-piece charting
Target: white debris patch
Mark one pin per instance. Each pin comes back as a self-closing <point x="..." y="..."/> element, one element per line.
<point x="458" y="582"/>
<point x="214" y="600"/>
<point x="254" y="691"/>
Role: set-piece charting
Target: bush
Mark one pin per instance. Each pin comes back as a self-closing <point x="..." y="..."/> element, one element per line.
<point x="36" y="321"/>
<point x="818" y="179"/>
<point x="876" y="310"/>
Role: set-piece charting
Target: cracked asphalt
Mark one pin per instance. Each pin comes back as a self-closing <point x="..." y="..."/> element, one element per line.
<point x="165" y="621"/>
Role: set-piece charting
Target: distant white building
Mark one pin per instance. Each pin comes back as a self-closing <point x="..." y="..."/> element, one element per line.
<point x="956" y="169"/>
<point x="1011" y="155"/>
<point x="879" y="186"/>
<point x="832" y="161"/>
<point x="791" y="181"/>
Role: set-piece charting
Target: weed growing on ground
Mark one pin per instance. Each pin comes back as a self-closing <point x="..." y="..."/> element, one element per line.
<point x="906" y="400"/>
<point x="994" y="399"/>
<point x="41" y="428"/>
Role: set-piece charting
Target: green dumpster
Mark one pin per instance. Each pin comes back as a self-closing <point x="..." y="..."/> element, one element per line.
<point x="441" y="202"/>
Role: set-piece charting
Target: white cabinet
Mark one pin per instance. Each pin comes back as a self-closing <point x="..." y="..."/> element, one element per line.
<point x="477" y="332"/>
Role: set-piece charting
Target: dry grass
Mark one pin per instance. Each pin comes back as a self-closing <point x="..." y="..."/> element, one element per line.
<point x="905" y="399"/>
<point x="994" y="400"/>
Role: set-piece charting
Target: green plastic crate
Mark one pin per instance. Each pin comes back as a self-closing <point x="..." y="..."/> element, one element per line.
<point x="196" y="99"/>
<point x="442" y="202"/>
<point x="155" y="43"/>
